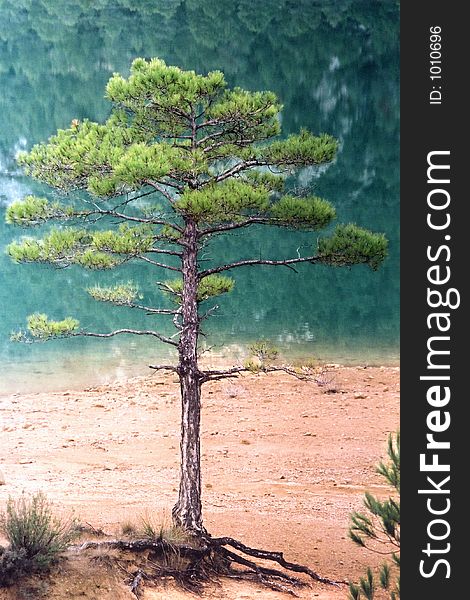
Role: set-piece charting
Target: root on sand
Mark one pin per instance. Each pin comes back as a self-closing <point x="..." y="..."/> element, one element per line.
<point x="205" y="559"/>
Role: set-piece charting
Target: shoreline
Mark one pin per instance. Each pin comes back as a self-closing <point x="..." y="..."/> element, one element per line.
<point x="20" y="377"/>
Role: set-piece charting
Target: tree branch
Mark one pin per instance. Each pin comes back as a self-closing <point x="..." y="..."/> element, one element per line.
<point x="159" y="264"/>
<point x="160" y="189"/>
<point x="213" y="375"/>
<point x="159" y="336"/>
<point x="255" y="261"/>
<point x="241" y="166"/>
<point x="153" y="311"/>
<point x="163" y="251"/>
<point x="157" y="186"/>
<point x="208" y="313"/>
<point x="231" y="226"/>
<point x="164" y="368"/>
<point x="119" y="215"/>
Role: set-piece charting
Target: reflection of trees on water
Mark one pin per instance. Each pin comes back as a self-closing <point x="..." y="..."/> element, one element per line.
<point x="334" y="65"/>
<point x="292" y="47"/>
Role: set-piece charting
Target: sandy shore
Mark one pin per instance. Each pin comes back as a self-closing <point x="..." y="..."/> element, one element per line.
<point x="284" y="463"/>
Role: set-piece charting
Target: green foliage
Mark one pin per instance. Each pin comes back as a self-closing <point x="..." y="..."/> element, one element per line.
<point x="209" y="287"/>
<point x="381" y="527"/>
<point x="33" y="211"/>
<point x="157" y="103"/>
<point x="214" y="285"/>
<point x="271" y="181"/>
<point x="57" y="246"/>
<point x="384" y="576"/>
<point x="366" y="587"/>
<point x="56" y="54"/>
<point x="253" y="364"/>
<point x="132" y="241"/>
<point x="391" y="470"/>
<point x="352" y="245"/>
<point x="257" y="110"/>
<point x="35" y="536"/>
<point x="226" y="201"/>
<point x="301" y="149"/>
<point x="362" y="524"/>
<point x="262" y="354"/>
<point x="388" y="512"/>
<point x="123" y="294"/>
<point x="170" y="233"/>
<point x="154" y="89"/>
<point x="91" y="249"/>
<point x="41" y="328"/>
<point x="93" y="259"/>
<point x="264" y="350"/>
<point x="106" y="160"/>
<point x="303" y="213"/>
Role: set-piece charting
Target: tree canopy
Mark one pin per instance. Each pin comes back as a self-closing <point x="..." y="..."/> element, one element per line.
<point x="202" y="149"/>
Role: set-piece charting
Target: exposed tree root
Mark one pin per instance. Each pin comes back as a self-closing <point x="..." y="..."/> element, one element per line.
<point x="205" y="559"/>
<point x="271" y="556"/>
<point x="136" y="581"/>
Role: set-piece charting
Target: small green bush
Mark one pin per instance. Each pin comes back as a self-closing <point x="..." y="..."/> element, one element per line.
<point x="380" y="527"/>
<point x="35" y="536"/>
<point x="264" y="350"/>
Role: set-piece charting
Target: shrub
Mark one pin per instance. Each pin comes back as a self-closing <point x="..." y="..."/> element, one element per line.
<point x="157" y="528"/>
<point x="36" y="537"/>
<point x="380" y="528"/>
<point x="264" y="350"/>
<point x="13" y="564"/>
<point x="128" y="528"/>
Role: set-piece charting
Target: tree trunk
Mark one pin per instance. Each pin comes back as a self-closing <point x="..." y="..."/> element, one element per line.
<point x="187" y="512"/>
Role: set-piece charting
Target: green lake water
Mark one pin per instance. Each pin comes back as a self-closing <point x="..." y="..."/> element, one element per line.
<point x="335" y="66"/>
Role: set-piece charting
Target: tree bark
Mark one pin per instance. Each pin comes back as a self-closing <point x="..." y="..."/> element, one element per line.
<point x="187" y="512"/>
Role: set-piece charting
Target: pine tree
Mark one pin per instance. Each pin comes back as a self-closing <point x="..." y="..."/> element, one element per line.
<point x="379" y="531"/>
<point x="209" y="161"/>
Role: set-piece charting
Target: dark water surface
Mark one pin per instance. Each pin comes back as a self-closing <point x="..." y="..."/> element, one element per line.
<point x="334" y="65"/>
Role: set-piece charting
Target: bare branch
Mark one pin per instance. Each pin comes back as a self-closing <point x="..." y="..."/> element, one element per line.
<point x="211" y="136"/>
<point x="235" y="371"/>
<point x="164" y="368"/>
<point x="160" y="189"/>
<point x="159" y="264"/>
<point x="208" y="313"/>
<point x="174" y="136"/>
<point x="239" y="225"/>
<point x="241" y="166"/>
<point x="163" y="285"/>
<point x="163" y="251"/>
<point x="176" y="322"/>
<point x="119" y="215"/>
<point x="153" y="311"/>
<point x="159" y="336"/>
<point x="255" y="261"/>
<point x="157" y="185"/>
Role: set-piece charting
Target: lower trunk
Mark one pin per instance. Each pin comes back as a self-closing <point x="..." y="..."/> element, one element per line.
<point x="187" y="512"/>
